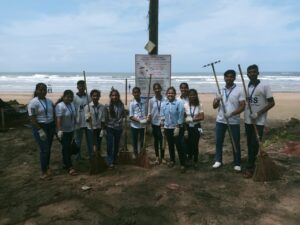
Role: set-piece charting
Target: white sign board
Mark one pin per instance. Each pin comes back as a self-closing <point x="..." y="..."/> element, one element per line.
<point x="157" y="65"/>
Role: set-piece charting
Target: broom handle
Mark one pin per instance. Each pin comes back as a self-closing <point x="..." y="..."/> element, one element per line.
<point x="148" y="96"/>
<point x="89" y="109"/>
<point x="224" y="110"/>
<point x="249" y="105"/>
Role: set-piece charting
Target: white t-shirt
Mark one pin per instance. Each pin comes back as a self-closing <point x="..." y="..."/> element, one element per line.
<point x="258" y="99"/>
<point x="42" y="109"/>
<point x="155" y="107"/>
<point x="138" y="110"/>
<point x="67" y="115"/>
<point x="231" y="98"/>
<point x="193" y="111"/>
<point x="80" y="102"/>
<point x="97" y="113"/>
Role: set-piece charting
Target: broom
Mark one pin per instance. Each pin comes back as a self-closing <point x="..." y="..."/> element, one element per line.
<point x="125" y="156"/>
<point x="142" y="159"/>
<point x="266" y="169"/>
<point x="97" y="163"/>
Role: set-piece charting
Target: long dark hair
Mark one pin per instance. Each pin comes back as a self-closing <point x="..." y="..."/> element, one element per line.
<point x="112" y="112"/>
<point x="66" y="92"/>
<point x="194" y="91"/>
<point x="37" y="86"/>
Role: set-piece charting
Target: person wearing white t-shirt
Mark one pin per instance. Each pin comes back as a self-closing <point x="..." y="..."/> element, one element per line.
<point x="41" y="113"/>
<point x="261" y="100"/>
<point x="155" y="105"/>
<point x="234" y="103"/>
<point x="81" y="99"/>
<point x="138" y="117"/>
<point x="65" y="124"/>
<point x="194" y="114"/>
<point x="95" y="116"/>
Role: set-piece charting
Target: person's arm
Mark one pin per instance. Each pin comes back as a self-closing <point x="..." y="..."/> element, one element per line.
<point x="216" y="103"/>
<point x="270" y="104"/>
<point x="240" y="109"/>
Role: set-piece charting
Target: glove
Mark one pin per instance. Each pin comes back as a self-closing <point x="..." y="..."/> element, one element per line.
<point x="42" y="134"/>
<point x="162" y="130"/>
<point x="143" y="121"/>
<point x="102" y="133"/>
<point x="188" y="119"/>
<point x="228" y="115"/>
<point x="149" y="117"/>
<point x="186" y="134"/>
<point x="253" y="115"/>
<point x="88" y="116"/>
<point x="218" y="97"/>
<point x="60" y="134"/>
<point x="176" y="132"/>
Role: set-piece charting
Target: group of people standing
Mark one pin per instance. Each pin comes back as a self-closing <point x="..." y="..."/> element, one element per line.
<point x="175" y="120"/>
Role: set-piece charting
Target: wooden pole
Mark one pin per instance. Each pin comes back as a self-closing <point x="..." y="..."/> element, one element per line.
<point x="153" y="25"/>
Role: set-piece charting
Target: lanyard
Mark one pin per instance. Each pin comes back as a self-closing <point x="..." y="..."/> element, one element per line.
<point x="158" y="106"/>
<point x="44" y="106"/>
<point x="69" y="107"/>
<point x="252" y="92"/>
<point x="228" y="94"/>
<point x="139" y="105"/>
<point x="96" y="113"/>
<point x="192" y="114"/>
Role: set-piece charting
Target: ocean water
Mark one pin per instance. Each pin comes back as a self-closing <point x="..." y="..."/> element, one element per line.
<point x="202" y="82"/>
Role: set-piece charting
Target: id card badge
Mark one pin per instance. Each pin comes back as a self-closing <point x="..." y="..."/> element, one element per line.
<point x="191" y="124"/>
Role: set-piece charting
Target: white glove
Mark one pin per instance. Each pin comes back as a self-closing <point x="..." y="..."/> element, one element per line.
<point x="162" y="130"/>
<point x="218" y="97"/>
<point x="88" y="116"/>
<point x="253" y="115"/>
<point x="176" y="132"/>
<point x="188" y="119"/>
<point x="102" y="133"/>
<point x="186" y="134"/>
<point x="60" y="134"/>
<point x="143" y="121"/>
<point x="149" y="117"/>
<point x="228" y="115"/>
<point x="42" y="134"/>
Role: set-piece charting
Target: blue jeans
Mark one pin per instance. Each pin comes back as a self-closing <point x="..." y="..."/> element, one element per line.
<point x="172" y="141"/>
<point x="158" y="141"/>
<point x="137" y="135"/>
<point x="220" y="135"/>
<point x="93" y="140"/>
<point x="44" y="146"/>
<point x="252" y="144"/>
<point x="66" y="149"/>
<point x="78" y="139"/>
<point x="113" y="141"/>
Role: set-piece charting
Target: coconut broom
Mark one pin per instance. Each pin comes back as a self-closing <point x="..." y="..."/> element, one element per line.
<point x="266" y="169"/>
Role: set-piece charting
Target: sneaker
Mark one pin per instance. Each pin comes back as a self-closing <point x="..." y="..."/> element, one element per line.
<point x="237" y="168"/>
<point x="134" y="156"/>
<point x="157" y="162"/>
<point x="217" y="165"/>
<point x="163" y="161"/>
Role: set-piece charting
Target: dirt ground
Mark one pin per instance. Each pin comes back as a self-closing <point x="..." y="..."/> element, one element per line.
<point x="131" y="195"/>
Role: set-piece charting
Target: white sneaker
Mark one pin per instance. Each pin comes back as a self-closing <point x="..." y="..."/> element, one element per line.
<point x="237" y="168"/>
<point x="217" y="165"/>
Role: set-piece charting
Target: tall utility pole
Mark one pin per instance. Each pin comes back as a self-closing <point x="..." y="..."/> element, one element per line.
<point x="153" y="25"/>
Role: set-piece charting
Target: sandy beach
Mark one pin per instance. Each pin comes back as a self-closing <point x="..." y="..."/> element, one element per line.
<point x="287" y="104"/>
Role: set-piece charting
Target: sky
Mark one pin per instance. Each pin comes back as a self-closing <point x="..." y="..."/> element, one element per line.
<point x="105" y="35"/>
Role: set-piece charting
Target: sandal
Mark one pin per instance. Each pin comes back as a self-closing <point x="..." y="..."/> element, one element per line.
<point x="73" y="172"/>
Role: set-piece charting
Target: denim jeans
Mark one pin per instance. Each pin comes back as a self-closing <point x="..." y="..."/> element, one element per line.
<point x="66" y="149"/>
<point x="93" y="140"/>
<point x="252" y="143"/>
<point x="113" y="141"/>
<point x="172" y="141"/>
<point x="158" y="141"/>
<point x="137" y="136"/>
<point x="44" y="146"/>
<point x="193" y="142"/>
<point x="220" y="135"/>
<point x="78" y="139"/>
